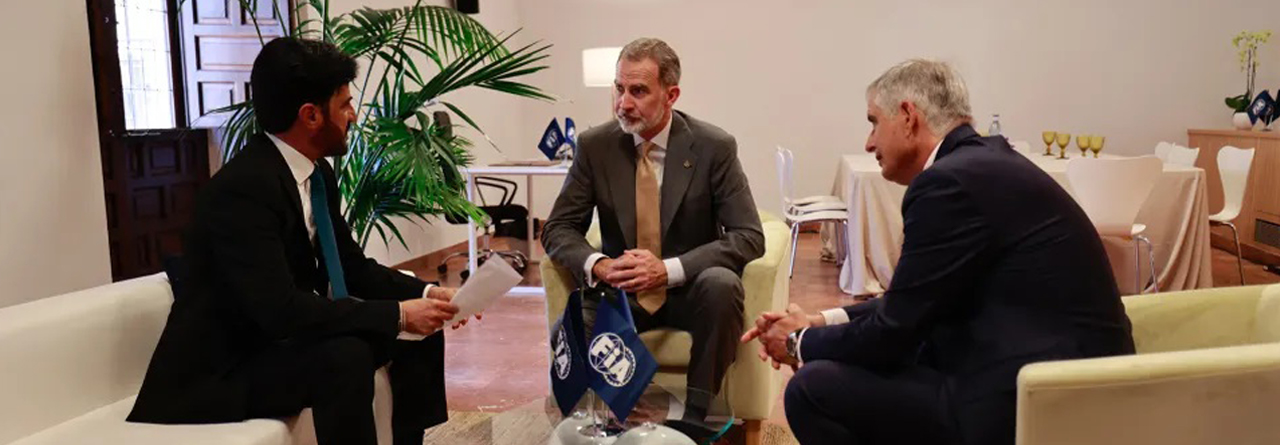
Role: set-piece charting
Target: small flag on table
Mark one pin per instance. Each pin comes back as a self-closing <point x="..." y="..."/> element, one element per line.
<point x="1262" y="109"/>
<point x="570" y="133"/>
<point x="621" y="364"/>
<point x="569" y="378"/>
<point x="552" y="139"/>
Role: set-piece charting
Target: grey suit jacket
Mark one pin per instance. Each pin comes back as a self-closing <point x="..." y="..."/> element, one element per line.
<point x="708" y="216"/>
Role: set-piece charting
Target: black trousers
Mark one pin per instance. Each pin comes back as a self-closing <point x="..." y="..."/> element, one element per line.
<point x="834" y="403"/>
<point x="334" y="377"/>
<point x="709" y="306"/>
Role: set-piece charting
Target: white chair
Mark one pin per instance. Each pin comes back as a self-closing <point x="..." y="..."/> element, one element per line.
<point x="796" y="216"/>
<point x="1233" y="166"/>
<point x="1182" y="156"/>
<point x="1162" y="150"/>
<point x="1111" y="191"/>
<point x="786" y="178"/>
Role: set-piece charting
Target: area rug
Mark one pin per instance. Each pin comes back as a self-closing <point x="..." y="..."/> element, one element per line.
<point x="530" y="425"/>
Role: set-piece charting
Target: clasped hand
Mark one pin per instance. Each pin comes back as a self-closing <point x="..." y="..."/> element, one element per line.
<point x="637" y="270"/>
<point x="773" y="328"/>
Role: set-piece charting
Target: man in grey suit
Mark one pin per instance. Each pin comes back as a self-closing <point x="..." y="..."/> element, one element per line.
<point x="676" y="215"/>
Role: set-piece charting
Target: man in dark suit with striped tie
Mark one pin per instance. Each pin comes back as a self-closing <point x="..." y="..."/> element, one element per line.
<point x="276" y="308"/>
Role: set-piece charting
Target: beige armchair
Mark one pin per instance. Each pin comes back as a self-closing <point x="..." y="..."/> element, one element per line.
<point x="751" y="386"/>
<point x="1207" y="372"/>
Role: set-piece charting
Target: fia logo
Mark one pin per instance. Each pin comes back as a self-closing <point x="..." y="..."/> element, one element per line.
<point x="562" y="354"/>
<point x="611" y="357"/>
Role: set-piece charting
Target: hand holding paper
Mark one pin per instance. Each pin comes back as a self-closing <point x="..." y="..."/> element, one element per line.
<point x="490" y="282"/>
<point x="426" y="315"/>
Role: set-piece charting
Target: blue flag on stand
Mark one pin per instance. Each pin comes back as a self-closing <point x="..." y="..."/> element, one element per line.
<point x="569" y="379"/>
<point x="570" y="133"/>
<point x="1275" y="110"/>
<point x="621" y="365"/>
<point x="1262" y="108"/>
<point x="552" y="139"/>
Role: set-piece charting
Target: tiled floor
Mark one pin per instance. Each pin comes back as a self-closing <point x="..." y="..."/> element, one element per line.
<point x="501" y="362"/>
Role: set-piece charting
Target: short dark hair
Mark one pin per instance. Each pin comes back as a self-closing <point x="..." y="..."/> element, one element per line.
<point x="661" y="53"/>
<point x="290" y="72"/>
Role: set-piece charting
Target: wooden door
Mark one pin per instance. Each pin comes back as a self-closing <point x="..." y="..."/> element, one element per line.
<point x="220" y="42"/>
<point x="150" y="176"/>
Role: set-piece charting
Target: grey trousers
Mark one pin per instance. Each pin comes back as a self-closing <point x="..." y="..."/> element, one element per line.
<point x="709" y="306"/>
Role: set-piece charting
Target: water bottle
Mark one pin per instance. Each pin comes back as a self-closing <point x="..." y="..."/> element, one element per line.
<point x="994" y="130"/>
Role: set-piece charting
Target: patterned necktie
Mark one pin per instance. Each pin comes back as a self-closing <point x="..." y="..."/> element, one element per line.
<point x="648" y="221"/>
<point x="324" y="231"/>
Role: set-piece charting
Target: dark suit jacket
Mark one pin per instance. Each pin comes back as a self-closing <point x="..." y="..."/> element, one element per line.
<point x="708" y="216"/>
<point x="253" y="281"/>
<point x="999" y="268"/>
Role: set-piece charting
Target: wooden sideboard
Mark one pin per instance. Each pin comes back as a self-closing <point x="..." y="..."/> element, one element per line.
<point x="1261" y="198"/>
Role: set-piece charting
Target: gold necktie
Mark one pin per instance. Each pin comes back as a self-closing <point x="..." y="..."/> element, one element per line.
<point x="648" y="222"/>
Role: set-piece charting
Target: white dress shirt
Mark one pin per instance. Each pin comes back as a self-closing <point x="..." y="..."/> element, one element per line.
<point x="657" y="156"/>
<point x="302" y="168"/>
<point x="838" y="315"/>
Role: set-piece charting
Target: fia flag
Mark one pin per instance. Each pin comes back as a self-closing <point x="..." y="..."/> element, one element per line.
<point x="620" y="365"/>
<point x="568" y="356"/>
<point x="570" y="133"/>
<point x="1262" y="108"/>
<point x="552" y="138"/>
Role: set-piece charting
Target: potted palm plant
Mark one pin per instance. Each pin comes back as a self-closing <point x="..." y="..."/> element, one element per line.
<point x="1246" y="44"/>
<point x="401" y="164"/>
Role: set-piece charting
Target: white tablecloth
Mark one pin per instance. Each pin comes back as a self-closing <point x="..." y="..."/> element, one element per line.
<point x="1176" y="215"/>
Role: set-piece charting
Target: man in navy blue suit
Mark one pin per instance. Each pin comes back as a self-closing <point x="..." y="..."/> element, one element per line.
<point x="999" y="268"/>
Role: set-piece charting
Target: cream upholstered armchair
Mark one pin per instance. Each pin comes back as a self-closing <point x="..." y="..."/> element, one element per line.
<point x="1207" y="372"/>
<point x="751" y="386"/>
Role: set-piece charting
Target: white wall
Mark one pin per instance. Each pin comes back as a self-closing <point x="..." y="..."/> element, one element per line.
<point x="794" y="73"/>
<point x="53" y="236"/>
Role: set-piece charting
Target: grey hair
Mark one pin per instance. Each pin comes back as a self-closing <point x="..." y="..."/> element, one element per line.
<point x="657" y="50"/>
<point x="934" y="87"/>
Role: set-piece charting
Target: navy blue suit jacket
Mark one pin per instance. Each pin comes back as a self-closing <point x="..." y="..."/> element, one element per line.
<point x="1000" y="268"/>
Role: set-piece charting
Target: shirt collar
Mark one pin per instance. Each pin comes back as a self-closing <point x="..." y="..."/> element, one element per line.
<point x="933" y="156"/>
<point x="299" y="165"/>
<point x="660" y="140"/>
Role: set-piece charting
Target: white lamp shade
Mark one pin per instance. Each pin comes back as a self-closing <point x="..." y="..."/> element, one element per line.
<point x="599" y="65"/>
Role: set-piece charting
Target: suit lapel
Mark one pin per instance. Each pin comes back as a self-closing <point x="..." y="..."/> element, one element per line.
<point x="289" y="187"/>
<point x="622" y="181"/>
<point x="677" y="170"/>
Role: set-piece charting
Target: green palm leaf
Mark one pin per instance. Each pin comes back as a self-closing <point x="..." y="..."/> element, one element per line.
<point x="399" y="164"/>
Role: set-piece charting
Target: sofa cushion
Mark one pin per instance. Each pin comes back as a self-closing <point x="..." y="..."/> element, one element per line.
<point x="669" y="346"/>
<point x="106" y="425"/>
<point x="1268" y="318"/>
<point x="70" y="354"/>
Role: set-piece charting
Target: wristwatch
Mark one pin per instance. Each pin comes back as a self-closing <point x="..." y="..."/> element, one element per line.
<point x="793" y="344"/>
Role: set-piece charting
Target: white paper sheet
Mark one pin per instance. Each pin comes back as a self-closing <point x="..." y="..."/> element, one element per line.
<point x="491" y="281"/>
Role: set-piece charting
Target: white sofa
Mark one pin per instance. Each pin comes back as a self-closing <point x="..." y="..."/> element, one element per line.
<point x="71" y="366"/>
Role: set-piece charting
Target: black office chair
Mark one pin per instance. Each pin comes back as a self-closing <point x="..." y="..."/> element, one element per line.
<point x="506" y="219"/>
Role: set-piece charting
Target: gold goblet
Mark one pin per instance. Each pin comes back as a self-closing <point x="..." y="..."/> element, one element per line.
<point x="1095" y="143"/>
<point x="1063" y="140"/>
<point x="1082" y="142"/>
<point x="1049" y="137"/>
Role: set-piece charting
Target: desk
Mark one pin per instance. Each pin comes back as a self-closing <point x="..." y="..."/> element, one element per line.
<point x="528" y="172"/>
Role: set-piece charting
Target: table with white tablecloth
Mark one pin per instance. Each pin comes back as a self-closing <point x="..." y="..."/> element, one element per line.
<point x="1176" y="214"/>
